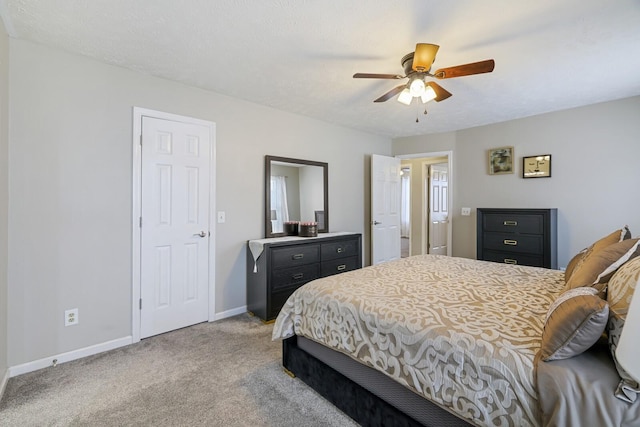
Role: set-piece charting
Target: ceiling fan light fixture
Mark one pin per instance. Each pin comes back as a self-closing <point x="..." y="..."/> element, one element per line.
<point x="428" y="95"/>
<point x="405" y="97"/>
<point x="416" y="88"/>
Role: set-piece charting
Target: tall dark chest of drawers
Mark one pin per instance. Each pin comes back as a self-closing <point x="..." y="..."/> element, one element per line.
<point x="518" y="236"/>
<point x="286" y="264"/>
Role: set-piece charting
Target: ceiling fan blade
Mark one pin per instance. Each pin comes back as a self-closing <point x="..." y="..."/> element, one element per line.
<point x="441" y="93"/>
<point x="391" y="93"/>
<point x="424" y="56"/>
<point x="465" y="70"/>
<point x="376" y="76"/>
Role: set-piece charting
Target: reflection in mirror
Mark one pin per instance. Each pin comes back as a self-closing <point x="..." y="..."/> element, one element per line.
<point x="295" y="190"/>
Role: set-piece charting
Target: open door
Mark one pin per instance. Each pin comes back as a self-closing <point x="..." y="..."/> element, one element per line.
<point x="439" y="209"/>
<point x="385" y="208"/>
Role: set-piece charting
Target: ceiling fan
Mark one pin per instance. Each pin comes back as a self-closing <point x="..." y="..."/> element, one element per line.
<point x="417" y="68"/>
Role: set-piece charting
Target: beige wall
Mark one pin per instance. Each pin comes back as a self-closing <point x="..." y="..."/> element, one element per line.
<point x="70" y="190"/>
<point x="595" y="171"/>
<point x="4" y="198"/>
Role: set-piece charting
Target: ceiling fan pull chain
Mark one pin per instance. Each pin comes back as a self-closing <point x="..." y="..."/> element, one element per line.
<point x="425" y="112"/>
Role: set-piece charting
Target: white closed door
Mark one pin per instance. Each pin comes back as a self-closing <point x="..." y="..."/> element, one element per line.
<point x="385" y="208"/>
<point x="438" y="209"/>
<point x="174" y="225"/>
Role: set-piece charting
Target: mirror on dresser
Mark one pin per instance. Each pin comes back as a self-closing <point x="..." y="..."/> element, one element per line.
<point x="295" y="190"/>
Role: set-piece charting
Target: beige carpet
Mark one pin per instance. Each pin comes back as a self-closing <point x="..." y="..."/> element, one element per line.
<point x="225" y="373"/>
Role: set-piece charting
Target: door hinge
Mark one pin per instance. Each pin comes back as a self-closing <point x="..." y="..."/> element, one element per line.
<point x="141" y="140"/>
<point x="140" y="303"/>
<point x="140" y="222"/>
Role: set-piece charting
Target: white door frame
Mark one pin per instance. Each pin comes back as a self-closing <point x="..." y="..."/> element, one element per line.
<point x="138" y="113"/>
<point x="410" y="167"/>
<point x="449" y="155"/>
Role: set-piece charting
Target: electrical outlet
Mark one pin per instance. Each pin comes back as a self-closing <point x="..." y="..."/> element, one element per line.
<point x="466" y="212"/>
<point x="71" y="317"/>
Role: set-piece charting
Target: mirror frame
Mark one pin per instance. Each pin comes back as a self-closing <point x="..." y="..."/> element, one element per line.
<point x="267" y="191"/>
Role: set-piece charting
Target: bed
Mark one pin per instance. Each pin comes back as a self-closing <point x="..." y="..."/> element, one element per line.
<point x="425" y="340"/>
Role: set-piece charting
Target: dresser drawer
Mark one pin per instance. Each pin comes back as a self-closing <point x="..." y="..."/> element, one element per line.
<point x="340" y="249"/>
<point x="513" y="258"/>
<point x="520" y="243"/>
<point x="295" y="255"/>
<point x="341" y="265"/>
<point x="288" y="277"/>
<point x="513" y="223"/>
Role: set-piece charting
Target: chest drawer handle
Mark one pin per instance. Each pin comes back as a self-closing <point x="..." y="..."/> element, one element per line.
<point x="510" y="223"/>
<point x="510" y="242"/>
<point x="297" y="256"/>
<point x="297" y="276"/>
<point x="340" y="250"/>
<point x="341" y="267"/>
<point x="510" y="261"/>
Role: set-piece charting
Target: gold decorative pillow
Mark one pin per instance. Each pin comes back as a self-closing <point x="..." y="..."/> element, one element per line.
<point x="598" y="267"/>
<point x="620" y="290"/>
<point x="622" y="285"/>
<point x="575" y="321"/>
<point x="578" y="259"/>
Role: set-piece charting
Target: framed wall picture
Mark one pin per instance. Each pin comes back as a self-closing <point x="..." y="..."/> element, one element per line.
<point x="500" y="160"/>
<point x="536" y="166"/>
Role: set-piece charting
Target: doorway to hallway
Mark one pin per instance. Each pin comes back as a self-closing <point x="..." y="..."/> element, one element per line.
<point x="426" y="203"/>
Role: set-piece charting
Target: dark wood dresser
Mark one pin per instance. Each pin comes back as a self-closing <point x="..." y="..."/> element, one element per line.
<point x="518" y="236"/>
<point x="277" y="267"/>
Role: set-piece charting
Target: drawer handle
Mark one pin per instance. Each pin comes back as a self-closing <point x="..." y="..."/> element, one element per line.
<point x="510" y="242"/>
<point x="510" y="261"/>
<point x="510" y="223"/>
<point x="297" y="276"/>
<point x="297" y="256"/>
<point x="341" y="267"/>
<point x="340" y="250"/>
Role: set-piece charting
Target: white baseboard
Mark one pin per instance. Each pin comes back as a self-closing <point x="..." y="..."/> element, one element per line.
<point x="230" y="313"/>
<point x="3" y="382"/>
<point x="69" y="356"/>
<point x="90" y="351"/>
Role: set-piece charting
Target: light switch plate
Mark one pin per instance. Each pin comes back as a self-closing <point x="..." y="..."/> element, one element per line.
<point x="221" y="217"/>
<point x="466" y="212"/>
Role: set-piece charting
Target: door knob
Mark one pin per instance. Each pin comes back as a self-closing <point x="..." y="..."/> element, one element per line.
<point x="201" y="234"/>
<point x="376" y="223"/>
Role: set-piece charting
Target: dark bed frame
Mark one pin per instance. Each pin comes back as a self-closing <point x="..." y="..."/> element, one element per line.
<point x="364" y="394"/>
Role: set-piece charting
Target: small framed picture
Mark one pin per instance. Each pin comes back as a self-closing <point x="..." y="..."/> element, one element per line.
<point x="536" y="166"/>
<point x="500" y="160"/>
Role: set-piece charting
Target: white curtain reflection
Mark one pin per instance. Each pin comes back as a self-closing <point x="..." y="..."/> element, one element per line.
<point x="279" y="209"/>
<point x="405" y="205"/>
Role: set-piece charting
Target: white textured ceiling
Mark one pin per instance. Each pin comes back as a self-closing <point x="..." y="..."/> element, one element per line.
<point x="300" y="55"/>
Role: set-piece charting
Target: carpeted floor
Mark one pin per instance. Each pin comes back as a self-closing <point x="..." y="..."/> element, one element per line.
<point x="225" y="373"/>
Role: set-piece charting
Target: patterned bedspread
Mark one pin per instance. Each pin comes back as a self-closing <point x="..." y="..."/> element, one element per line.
<point x="460" y="332"/>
